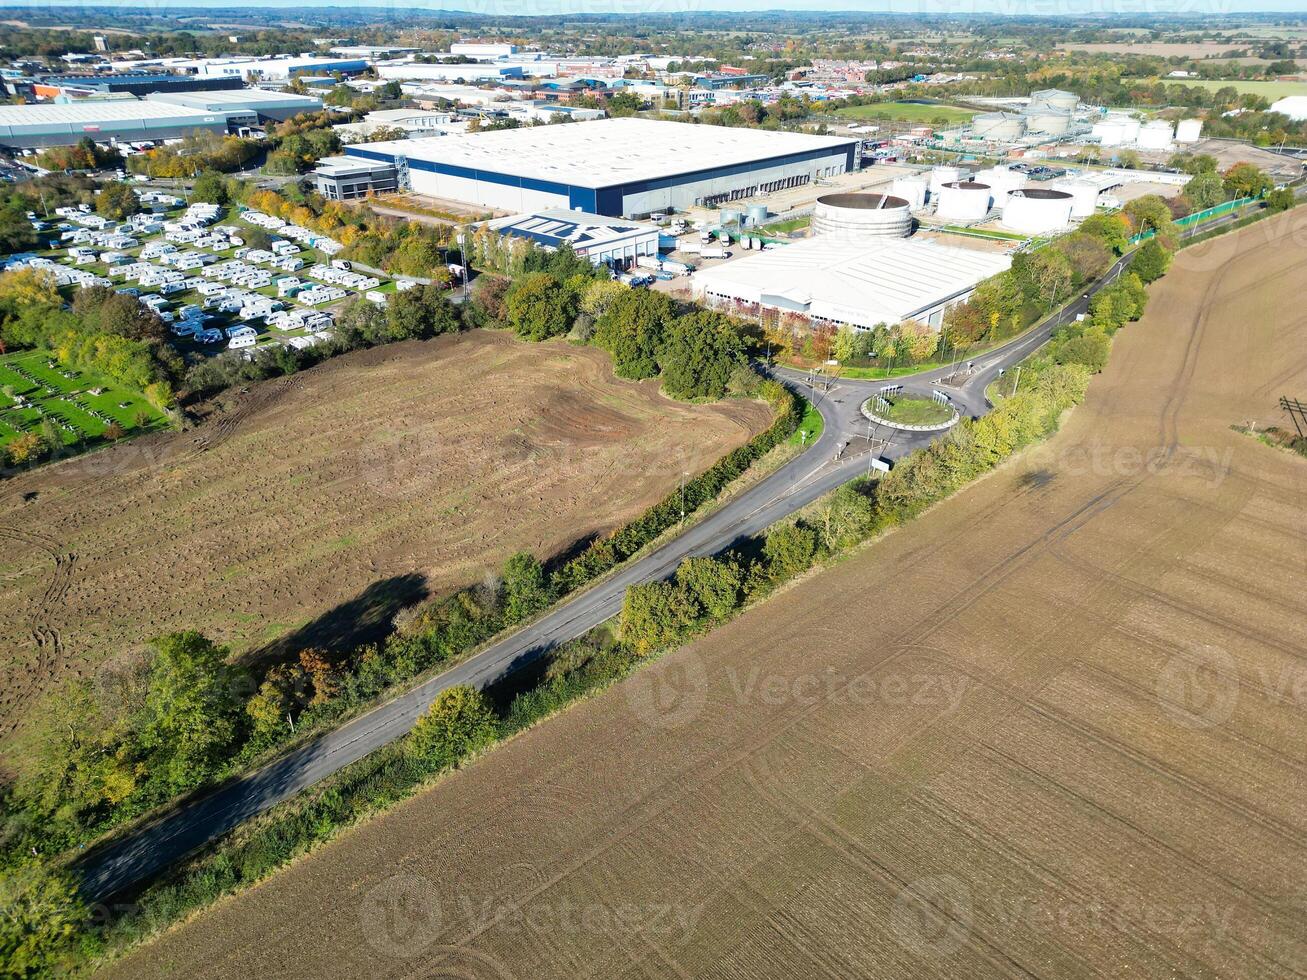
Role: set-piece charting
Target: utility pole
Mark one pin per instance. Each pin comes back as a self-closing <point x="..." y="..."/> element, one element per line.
<point x="1016" y="381"/>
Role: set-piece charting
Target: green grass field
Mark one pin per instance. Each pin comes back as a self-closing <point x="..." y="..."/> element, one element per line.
<point x="784" y="227"/>
<point x="810" y="426"/>
<point x="66" y="399"/>
<point x="1270" y="90"/>
<point x="910" y="410"/>
<point x="906" y="112"/>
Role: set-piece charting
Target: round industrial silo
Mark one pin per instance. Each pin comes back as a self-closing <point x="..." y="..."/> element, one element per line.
<point x="963" y="200"/>
<point x="1130" y="127"/>
<point x="998" y="126"/>
<point x="1084" y="196"/>
<point x="729" y="217"/>
<point x="1156" y="135"/>
<point x="1037" y="211"/>
<point x="758" y="214"/>
<point x="859" y="217"/>
<point x="1054" y="98"/>
<point x="1050" y="122"/>
<point x="1110" y="132"/>
<point x="941" y="175"/>
<point x="912" y="190"/>
<point x="1002" y="181"/>
<point x="1188" y="130"/>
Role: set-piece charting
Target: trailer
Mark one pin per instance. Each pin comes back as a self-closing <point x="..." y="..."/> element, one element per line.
<point x="649" y="262"/>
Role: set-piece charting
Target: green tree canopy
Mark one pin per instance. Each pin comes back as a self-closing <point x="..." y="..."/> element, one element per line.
<point x="538" y="307"/>
<point x="460" y="721"/>
<point x="699" y="354"/>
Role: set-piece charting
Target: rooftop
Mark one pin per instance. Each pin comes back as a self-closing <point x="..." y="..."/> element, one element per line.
<point x="855" y="282"/>
<point x="606" y="151"/>
<point x="238" y="98"/>
<point x="91" y="112"/>
<point x="554" y="226"/>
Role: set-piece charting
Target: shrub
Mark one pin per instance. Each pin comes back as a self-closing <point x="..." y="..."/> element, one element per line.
<point x="459" y="722"/>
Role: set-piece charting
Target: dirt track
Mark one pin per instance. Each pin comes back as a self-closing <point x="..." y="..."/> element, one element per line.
<point x="1054" y="728"/>
<point x="311" y="506"/>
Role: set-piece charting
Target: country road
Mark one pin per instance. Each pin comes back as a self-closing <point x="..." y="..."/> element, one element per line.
<point x="133" y="858"/>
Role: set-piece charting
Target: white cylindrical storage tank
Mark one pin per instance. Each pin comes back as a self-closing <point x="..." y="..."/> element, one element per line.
<point x="1188" y="130"/>
<point x="1053" y="122"/>
<point x="1084" y="196"/>
<point x="757" y="214"/>
<point x="1130" y="127"/>
<point x="912" y="190"/>
<point x="940" y="176"/>
<point x="1156" y="135"/>
<point x="1054" y="98"/>
<point x="998" y="126"/>
<point x="1110" y="132"/>
<point x="1037" y="211"/>
<point x="963" y="201"/>
<point x="861" y="217"/>
<point x="730" y="216"/>
<point x="1002" y="182"/>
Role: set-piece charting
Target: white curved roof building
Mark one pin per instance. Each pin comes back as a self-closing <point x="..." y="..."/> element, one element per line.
<point x="859" y="283"/>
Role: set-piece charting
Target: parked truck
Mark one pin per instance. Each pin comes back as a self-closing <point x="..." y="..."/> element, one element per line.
<point x="680" y="268"/>
<point x="714" y="253"/>
<point x="649" y="262"/>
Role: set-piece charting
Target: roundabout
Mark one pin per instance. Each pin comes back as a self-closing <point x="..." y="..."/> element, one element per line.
<point x="916" y="413"/>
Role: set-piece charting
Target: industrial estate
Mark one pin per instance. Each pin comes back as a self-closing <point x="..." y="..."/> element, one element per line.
<point x="715" y="494"/>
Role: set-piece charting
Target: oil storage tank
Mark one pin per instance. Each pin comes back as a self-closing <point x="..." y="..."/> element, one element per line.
<point x="912" y="190"/>
<point x="1156" y="135"/>
<point x="757" y="214"/>
<point x="941" y="175"/>
<point x="1053" y="98"/>
<point x="1051" y="122"/>
<point x="998" y="126"/>
<point x="1084" y="196"/>
<point x="861" y="217"/>
<point x="1037" y="211"/>
<point x="1130" y="130"/>
<point x="1188" y="130"/>
<point x="1002" y="181"/>
<point x="1110" y="131"/>
<point x="963" y="200"/>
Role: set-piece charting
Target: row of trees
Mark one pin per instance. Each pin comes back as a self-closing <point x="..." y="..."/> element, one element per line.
<point x="197" y="152"/>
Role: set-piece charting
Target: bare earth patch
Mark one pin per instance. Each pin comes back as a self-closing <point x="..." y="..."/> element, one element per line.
<point x="314" y="506"/>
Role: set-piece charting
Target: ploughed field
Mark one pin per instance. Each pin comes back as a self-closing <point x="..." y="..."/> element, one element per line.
<point x="1056" y="727"/>
<point x="307" y="508"/>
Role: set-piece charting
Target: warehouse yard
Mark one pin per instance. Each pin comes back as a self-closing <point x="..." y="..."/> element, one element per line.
<point x="318" y="504"/>
<point x="1055" y="728"/>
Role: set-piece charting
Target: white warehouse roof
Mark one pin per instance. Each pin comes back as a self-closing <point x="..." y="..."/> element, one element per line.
<point x="851" y="282"/>
<point x="606" y="152"/>
<point x="91" y="112"/>
<point x="235" y="100"/>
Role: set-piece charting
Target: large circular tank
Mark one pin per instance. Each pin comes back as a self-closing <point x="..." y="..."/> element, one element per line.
<point x="998" y="126"/>
<point x="1054" y="98"/>
<point x="858" y="217"/>
<point x="1110" y="132"/>
<point x="1130" y="130"/>
<point x="730" y="216"/>
<point x="1084" y="196"/>
<point x="1002" y="181"/>
<point x="911" y="189"/>
<point x="757" y="214"/>
<point x="1188" y="130"/>
<point x="963" y="200"/>
<point x="941" y="175"/>
<point x="1156" y="135"/>
<point x="1037" y="211"/>
<point x="1051" y="122"/>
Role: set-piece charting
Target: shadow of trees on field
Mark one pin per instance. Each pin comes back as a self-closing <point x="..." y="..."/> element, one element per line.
<point x="366" y="618"/>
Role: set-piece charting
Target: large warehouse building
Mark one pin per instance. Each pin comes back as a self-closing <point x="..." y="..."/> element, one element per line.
<point x="613" y="167"/>
<point x="862" y="284"/>
<point x="265" y="105"/>
<point x="125" y="120"/>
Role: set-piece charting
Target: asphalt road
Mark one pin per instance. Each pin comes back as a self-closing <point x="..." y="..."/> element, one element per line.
<point x="842" y="452"/>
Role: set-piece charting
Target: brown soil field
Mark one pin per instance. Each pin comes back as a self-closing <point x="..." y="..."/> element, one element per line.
<point x="306" y="509"/>
<point x="1057" y="727"/>
<point x="1163" y="49"/>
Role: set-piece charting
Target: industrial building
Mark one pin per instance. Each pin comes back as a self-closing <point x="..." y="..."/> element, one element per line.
<point x="349" y="178"/>
<point x="601" y="239"/>
<point x="459" y="74"/>
<point x="132" y="83"/>
<point x="120" y="120"/>
<point x="266" y="106"/>
<point x="863" y="284"/>
<point x="615" y="167"/>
